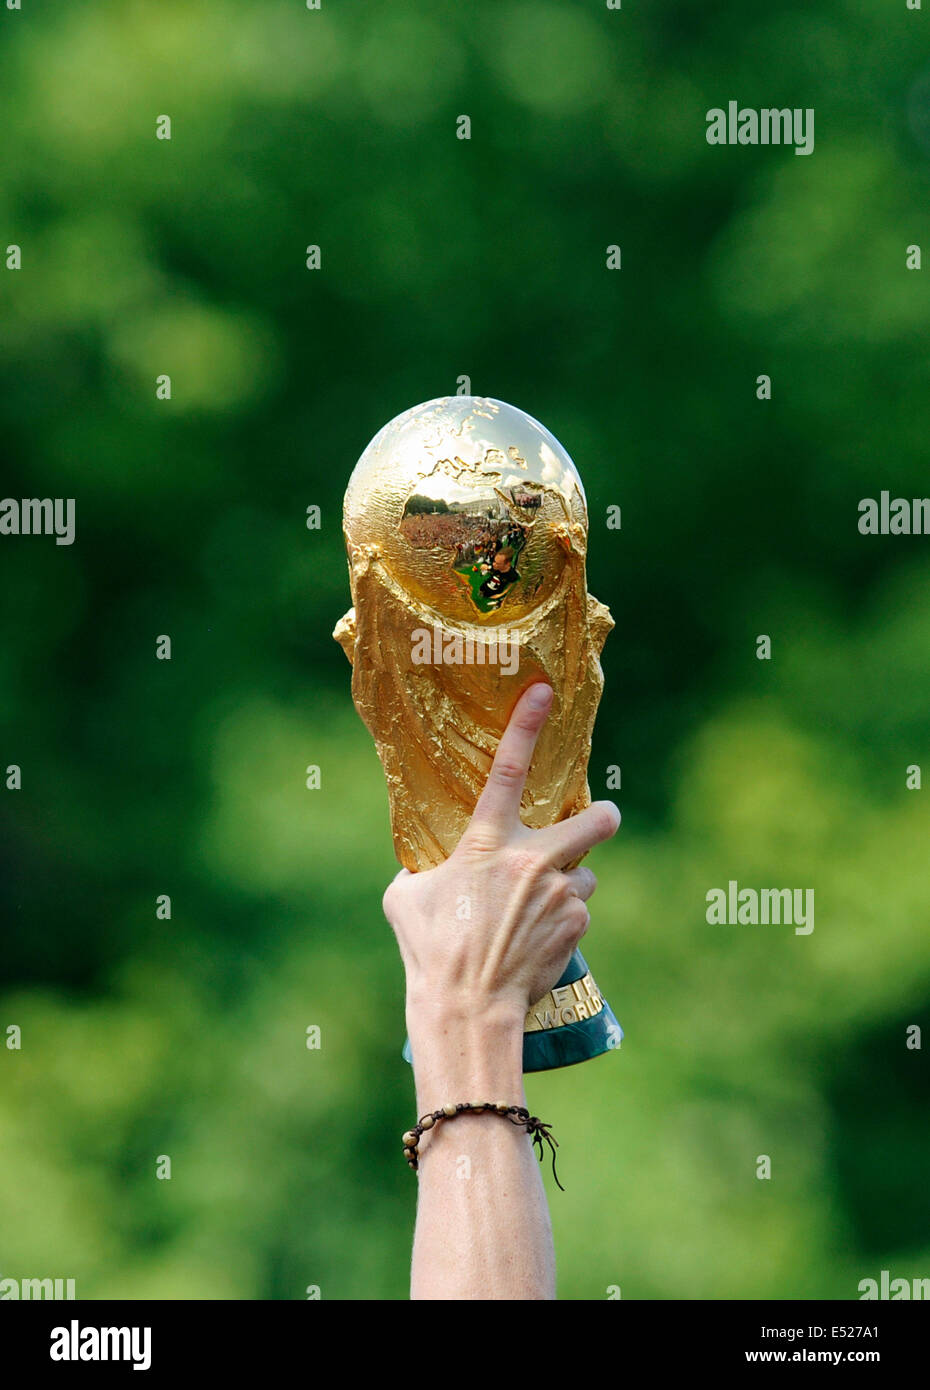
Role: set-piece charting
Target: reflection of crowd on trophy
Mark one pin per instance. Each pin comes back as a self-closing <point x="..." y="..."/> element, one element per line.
<point x="486" y="544"/>
<point x="449" y="530"/>
<point x="475" y="540"/>
<point x="493" y="557"/>
<point x="483" y="545"/>
<point x="481" y="548"/>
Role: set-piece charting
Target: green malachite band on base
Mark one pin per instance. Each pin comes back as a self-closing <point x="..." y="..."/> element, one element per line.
<point x="567" y="1026"/>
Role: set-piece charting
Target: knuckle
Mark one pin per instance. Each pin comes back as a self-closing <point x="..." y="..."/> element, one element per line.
<point x="588" y="881"/>
<point x="477" y="842"/>
<point x="559" y="889"/>
<point x="392" y="897"/>
<point x="507" y="771"/>
<point x="580" y="911"/>
<point x="567" y="939"/>
<point x="524" y="863"/>
<point x="580" y="920"/>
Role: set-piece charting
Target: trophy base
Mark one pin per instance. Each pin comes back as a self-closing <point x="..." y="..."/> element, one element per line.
<point x="572" y="1024"/>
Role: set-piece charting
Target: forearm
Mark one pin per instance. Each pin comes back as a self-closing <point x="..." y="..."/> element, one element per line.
<point x="482" y="1229"/>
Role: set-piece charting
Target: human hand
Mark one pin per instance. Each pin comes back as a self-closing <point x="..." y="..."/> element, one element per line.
<point x="488" y="932"/>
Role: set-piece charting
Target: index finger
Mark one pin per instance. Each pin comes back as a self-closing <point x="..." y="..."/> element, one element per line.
<point x="499" y="804"/>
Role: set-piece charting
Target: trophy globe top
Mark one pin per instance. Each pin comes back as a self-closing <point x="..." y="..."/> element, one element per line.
<point x="471" y="506"/>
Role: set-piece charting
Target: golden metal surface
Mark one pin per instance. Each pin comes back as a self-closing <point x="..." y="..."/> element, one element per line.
<point x="570" y="1004"/>
<point x="466" y="519"/>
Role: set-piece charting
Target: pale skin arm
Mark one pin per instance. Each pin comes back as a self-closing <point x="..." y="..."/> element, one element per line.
<point x="482" y="1228"/>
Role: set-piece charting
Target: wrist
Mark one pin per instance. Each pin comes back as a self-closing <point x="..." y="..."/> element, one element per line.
<point x="466" y="1053"/>
<point x="436" y="1013"/>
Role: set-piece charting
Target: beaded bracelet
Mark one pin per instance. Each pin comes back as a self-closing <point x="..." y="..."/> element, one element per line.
<point x="516" y="1114"/>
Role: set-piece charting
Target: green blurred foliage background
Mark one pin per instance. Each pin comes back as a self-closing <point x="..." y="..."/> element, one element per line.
<point x="443" y="257"/>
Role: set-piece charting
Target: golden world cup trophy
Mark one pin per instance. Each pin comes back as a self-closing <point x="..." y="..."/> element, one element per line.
<point x="466" y="529"/>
